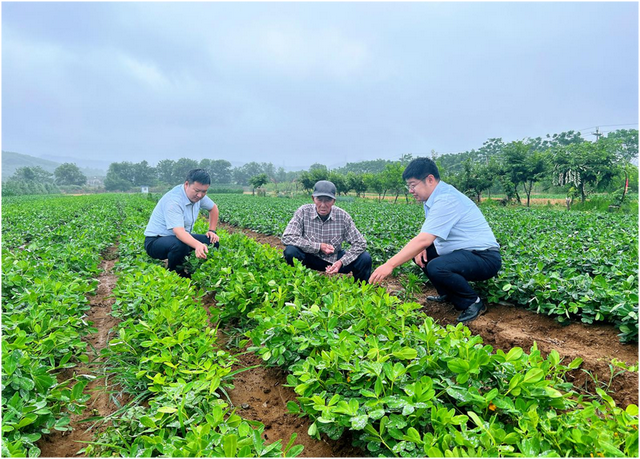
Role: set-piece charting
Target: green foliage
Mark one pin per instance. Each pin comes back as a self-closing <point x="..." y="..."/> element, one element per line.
<point x="363" y="361"/>
<point x="570" y="265"/>
<point x="69" y="174"/>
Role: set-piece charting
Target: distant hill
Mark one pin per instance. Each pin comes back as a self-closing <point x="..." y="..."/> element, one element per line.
<point x="12" y="161"/>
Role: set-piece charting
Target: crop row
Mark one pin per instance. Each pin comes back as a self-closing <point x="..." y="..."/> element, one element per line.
<point x="50" y="254"/>
<point x="164" y="357"/>
<point x="570" y="265"/>
<point x="361" y="360"/>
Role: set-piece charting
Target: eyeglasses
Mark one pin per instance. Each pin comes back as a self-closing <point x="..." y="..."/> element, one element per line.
<point x="413" y="186"/>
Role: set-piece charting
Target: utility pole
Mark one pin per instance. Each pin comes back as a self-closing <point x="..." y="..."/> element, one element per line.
<point x="598" y="134"/>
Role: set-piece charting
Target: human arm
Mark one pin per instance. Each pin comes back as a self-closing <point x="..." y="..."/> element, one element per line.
<point x="213" y="224"/>
<point x="413" y="248"/>
<point x="355" y="239"/>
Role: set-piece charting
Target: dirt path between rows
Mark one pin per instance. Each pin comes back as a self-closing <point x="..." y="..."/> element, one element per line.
<point x="67" y="444"/>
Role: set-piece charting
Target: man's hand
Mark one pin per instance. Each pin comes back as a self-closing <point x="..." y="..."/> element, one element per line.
<point x="201" y="251"/>
<point x="334" y="268"/>
<point x="421" y="259"/>
<point x="380" y="273"/>
<point x="213" y="237"/>
<point x="326" y="248"/>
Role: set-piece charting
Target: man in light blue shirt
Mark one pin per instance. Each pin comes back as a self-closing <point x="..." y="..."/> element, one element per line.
<point x="455" y="245"/>
<point x="169" y="231"/>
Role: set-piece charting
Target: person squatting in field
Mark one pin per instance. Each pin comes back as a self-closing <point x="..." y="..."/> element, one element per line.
<point x="169" y="231"/>
<point x="316" y="232"/>
<point x="455" y="245"/>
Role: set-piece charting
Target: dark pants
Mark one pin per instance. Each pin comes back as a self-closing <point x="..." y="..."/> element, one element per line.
<point x="361" y="266"/>
<point x="450" y="274"/>
<point x="171" y="248"/>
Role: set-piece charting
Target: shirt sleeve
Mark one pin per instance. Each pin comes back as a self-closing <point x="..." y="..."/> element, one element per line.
<point x="207" y="203"/>
<point x="442" y="217"/>
<point x="294" y="234"/>
<point x="357" y="241"/>
<point x="174" y="215"/>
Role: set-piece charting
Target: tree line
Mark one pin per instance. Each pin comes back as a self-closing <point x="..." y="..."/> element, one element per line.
<point x="561" y="163"/>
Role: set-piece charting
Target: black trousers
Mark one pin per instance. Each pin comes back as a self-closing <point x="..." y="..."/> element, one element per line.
<point x="450" y="274"/>
<point x="172" y="248"/>
<point x="360" y="267"/>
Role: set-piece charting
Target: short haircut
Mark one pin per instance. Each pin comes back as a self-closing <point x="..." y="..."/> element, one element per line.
<point x="421" y="168"/>
<point x="198" y="175"/>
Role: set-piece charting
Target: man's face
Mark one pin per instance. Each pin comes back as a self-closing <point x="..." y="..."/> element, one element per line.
<point x="421" y="189"/>
<point x="323" y="204"/>
<point x="195" y="191"/>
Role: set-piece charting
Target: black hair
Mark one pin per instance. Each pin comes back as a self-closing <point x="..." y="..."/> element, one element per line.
<point x="421" y="168"/>
<point x="198" y="175"/>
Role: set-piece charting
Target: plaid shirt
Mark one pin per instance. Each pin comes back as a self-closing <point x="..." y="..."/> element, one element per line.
<point x="307" y="231"/>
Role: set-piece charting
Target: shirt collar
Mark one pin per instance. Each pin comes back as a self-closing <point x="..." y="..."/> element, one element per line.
<point x="317" y="215"/>
<point x="429" y="202"/>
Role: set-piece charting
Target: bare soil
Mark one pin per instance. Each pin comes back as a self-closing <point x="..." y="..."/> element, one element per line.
<point x="67" y="444"/>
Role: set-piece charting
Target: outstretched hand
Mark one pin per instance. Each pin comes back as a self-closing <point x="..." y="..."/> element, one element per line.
<point x="380" y="273"/>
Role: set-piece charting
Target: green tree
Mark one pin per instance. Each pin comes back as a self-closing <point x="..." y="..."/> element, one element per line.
<point x="391" y="178"/>
<point x="586" y="166"/>
<point x="144" y="175"/>
<point x="475" y="178"/>
<point x="356" y="183"/>
<point x="32" y="174"/>
<point x="164" y="171"/>
<point x="69" y="174"/>
<point x="243" y="174"/>
<point x="339" y="181"/>
<point x="257" y="181"/>
<point x="120" y="176"/>
<point x="375" y="183"/>
<point x="182" y="167"/>
<point x="522" y="165"/>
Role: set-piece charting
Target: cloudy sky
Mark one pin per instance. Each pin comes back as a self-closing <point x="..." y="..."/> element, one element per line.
<point x="296" y="83"/>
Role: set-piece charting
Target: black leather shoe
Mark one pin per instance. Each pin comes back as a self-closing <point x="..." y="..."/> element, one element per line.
<point x="472" y="312"/>
<point x="439" y="298"/>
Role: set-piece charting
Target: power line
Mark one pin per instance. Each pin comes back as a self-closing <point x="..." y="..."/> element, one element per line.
<point x="607" y="125"/>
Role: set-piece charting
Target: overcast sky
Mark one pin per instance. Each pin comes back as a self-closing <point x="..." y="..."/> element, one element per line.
<point x="298" y="83"/>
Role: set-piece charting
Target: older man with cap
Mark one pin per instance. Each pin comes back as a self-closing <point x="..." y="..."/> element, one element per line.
<point x="316" y="232"/>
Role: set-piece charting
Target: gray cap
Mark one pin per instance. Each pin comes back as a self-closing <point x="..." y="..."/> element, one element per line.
<point x="324" y="188"/>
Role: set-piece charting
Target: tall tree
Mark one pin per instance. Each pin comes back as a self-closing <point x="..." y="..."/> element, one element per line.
<point x="257" y="181"/>
<point x="144" y="175"/>
<point x="69" y="174"/>
<point x="165" y="169"/>
<point x="182" y="167"/>
<point x="219" y="170"/>
<point x="585" y="166"/>
<point x="476" y="178"/>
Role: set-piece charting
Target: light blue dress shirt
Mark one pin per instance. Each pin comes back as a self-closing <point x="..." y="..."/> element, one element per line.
<point x="175" y="210"/>
<point x="456" y="221"/>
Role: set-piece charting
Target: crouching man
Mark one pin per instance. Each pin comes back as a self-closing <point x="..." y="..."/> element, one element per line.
<point x="316" y="232"/>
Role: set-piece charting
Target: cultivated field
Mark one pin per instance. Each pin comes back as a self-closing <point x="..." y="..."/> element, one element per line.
<point x="252" y="357"/>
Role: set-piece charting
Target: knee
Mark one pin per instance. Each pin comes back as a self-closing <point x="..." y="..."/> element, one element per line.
<point x="365" y="260"/>
<point x="290" y="252"/>
<point x="433" y="269"/>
